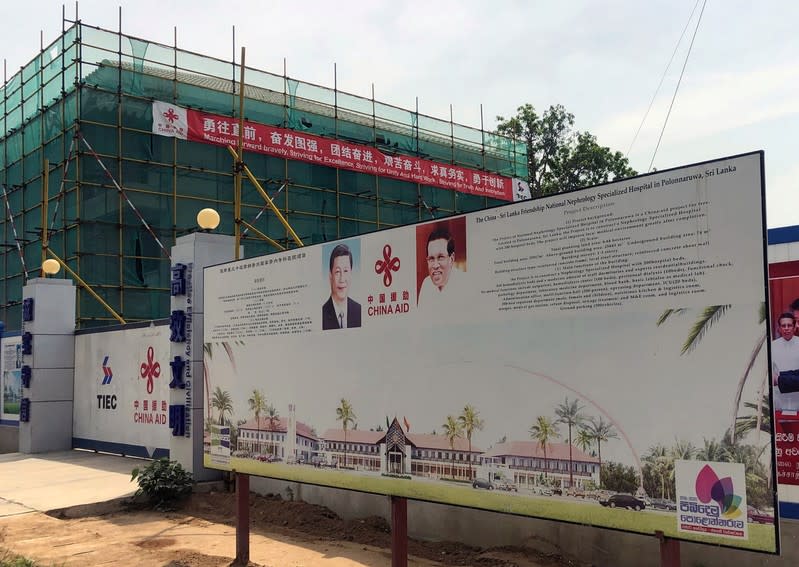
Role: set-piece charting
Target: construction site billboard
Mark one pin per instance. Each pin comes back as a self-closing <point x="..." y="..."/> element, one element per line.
<point x="588" y="357"/>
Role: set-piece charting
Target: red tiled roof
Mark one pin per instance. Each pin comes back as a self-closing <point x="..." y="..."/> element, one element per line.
<point x="354" y="436"/>
<point x="281" y="426"/>
<point x="429" y="441"/>
<point x="420" y="440"/>
<point x="532" y="449"/>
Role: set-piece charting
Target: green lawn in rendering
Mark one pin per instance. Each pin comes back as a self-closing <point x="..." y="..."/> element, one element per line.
<point x="588" y="512"/>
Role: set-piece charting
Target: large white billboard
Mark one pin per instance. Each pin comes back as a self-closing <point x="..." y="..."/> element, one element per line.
<point x="552" y="358"/>
<point x="122" y="391"/>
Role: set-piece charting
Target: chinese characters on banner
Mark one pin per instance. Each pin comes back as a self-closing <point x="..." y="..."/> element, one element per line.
<point x="196" y="126"/>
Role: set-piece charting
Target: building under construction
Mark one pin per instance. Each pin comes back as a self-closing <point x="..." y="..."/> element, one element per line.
<point x="128" y="139"/>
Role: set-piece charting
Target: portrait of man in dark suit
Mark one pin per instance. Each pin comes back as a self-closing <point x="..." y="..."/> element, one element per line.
<point x="340" y="311"/>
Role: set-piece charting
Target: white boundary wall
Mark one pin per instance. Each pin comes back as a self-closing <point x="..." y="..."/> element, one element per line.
<point x="114" y="409"/>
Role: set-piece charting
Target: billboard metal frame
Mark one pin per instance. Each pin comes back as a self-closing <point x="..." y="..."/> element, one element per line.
<point x="576" y="193"/>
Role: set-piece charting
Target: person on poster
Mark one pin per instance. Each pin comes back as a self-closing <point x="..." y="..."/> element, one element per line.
<point x="443" y="279"/>
<point x="784" y="359"/>
<point x="340" y="311"/>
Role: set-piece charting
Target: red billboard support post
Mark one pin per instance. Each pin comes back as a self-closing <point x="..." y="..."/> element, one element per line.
<point x="242" y="519"/>
<point x="399" y="532"/>
<point x="669" y="550"/>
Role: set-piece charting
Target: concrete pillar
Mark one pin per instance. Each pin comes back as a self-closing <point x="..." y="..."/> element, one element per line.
<point x="51" y="324"/>
<point x="190" y="255"/>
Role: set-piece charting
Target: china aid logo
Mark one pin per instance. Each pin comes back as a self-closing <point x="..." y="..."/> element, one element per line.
<point x="150" y="369"/>
<point x="720" y="490"/>
<point x="387" y="264"/>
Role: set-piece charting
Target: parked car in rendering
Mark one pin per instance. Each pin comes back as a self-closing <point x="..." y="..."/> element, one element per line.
<point x="268" y="458"/>
<point x="662" y="504"/>
<point x="545" y="491"/>
<point x="506" y="485"/>
<point x="753" y="515"/>
<point x="482" y="483"/>
<point x="623" y="501"/>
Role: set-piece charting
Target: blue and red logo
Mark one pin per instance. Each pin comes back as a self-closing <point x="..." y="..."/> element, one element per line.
<point x="107" y="374"/>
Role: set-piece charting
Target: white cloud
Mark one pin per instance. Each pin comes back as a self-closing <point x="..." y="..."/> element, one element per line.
<point x="601" y="61"/>
<point x="718" y="103"/>
<point x="782" y="205"/>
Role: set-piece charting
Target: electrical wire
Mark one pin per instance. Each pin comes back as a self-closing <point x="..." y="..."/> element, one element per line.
<point x="662" y="78"/>
<point x="677" y="88"/>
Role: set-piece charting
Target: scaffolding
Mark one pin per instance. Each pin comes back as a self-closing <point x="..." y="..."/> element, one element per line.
<point x="120" y="194"/>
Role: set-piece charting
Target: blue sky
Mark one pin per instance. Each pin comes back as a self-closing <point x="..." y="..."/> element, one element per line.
<point x="602" y="61"/>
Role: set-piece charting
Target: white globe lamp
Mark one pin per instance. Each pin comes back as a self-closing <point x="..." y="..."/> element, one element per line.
<point x="208" y="219"/>
<point x="50" y="267"/>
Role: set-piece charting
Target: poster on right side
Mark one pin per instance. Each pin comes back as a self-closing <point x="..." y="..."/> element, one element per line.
<point x="784" y="312"/>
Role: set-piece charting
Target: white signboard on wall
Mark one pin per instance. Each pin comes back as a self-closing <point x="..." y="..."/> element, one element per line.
<point x="442" y="361"/>
<point x="10" y="378"/>
<point x="122" y="391"/>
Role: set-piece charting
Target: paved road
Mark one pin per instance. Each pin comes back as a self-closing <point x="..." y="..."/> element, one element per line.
<point x="50" y="481"/>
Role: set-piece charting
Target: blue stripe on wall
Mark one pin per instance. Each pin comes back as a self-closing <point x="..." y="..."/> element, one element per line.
<point x="783" y="234"/>
<point x="789" y="510"/>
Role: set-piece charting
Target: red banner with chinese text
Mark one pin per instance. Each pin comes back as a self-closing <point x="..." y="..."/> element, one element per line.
<point x="196" y="126"/>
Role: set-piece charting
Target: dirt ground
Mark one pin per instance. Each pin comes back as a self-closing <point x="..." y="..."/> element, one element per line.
<point x="201" y="533"/>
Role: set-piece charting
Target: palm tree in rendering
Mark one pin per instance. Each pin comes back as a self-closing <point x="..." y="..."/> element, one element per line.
<point x="660" y="464"/>
<point x="584" y="439"/>
<point x="570" y="414"/>
<point x="346" y="415"/>
<point x="257" y="403"/>
<point x="208" y="354"/>
<point x="704" y="321"/>
<point x="453" y="429"/>
<point x="712" y="451"/>
<point x="273" y="417"/>
<point x="759" y="421"/>
<point x="222" y="402"/>
<point x="601" y="431"/>
<point x="471" y="422"/>
<point x="683" y="450"/>
<point x="544" y="430"/>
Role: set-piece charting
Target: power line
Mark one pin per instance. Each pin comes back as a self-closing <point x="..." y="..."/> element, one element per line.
<point x="662" y="78"/>
<point x="677" y="88"/>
